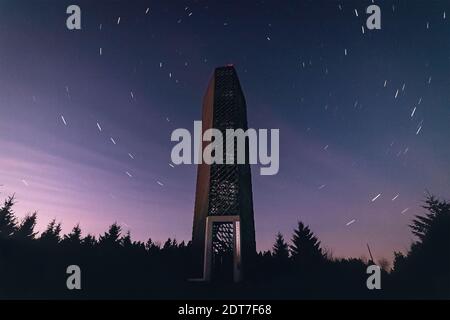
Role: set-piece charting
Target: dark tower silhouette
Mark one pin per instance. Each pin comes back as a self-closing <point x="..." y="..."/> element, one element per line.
<point x="224" y="190"/>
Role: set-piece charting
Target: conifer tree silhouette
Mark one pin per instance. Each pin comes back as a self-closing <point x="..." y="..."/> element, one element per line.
<point x="8" y="222"/>
<point x="25" y="231"/>
<point x="167" y="245"/>
<point x="425" y="269"/>
<point x="305" y="247"/>
<point x="111" y="238"/>
<point x="280" y="248"/>
<point x="74" y="237"/>
<point x="89" y="241"/>
<point x="126" y="241"/>
<point x="427" y="226"/>
<point x="51" y="235"/>
<point x="152" y="247"/>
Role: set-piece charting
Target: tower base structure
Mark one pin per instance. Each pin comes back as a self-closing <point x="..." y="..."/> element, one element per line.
<point x="212" y="224"/>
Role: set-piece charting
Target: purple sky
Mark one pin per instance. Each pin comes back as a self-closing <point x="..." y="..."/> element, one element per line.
<point x="344" y="136"/>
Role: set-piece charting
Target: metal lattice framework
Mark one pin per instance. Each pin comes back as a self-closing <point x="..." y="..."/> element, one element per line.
<point x="224" y="189"/>
<point x="222" y="238"/>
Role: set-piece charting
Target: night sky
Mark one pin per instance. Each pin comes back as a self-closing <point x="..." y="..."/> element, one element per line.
<point x="86" y="116"/>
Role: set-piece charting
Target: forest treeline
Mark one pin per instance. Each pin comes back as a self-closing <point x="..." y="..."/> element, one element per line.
<point x="33" y="265"/>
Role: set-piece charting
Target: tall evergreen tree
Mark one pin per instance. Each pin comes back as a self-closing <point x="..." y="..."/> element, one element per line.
<point x="111" y="238"/>
<point x="280" y="248"/>
<point x="74" y="237"/>
<point x="438" y="213"/>
<point x="51" y="235"/>
<point x="427" y="263"/>
<point x="89" y="241"/>
<point x="8" y="222"/>
<point x="152" y="247"/>
<point x="305" y="246"/>
<point x="25" y="231"/>
<point x="126" y="241"/>
<point x="167" y="245"/>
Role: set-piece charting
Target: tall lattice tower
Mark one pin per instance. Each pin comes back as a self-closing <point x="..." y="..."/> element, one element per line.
<point x="223" y="237"/>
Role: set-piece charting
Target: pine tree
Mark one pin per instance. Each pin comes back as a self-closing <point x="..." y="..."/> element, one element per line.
<point x="74" y="237"/>
<point x="305" y="246"/>
<point x="432" y="229"/>
<point x="89" y="241"/>
<point x="25" y="231"/>
<point x="437" y="210"/>
<point x="266" y="254"/>
<point x="152" y="247"/>
<point x="8" y="222"/>
<point x="427" y="263"/>
<point x="126" y="241"/>
<point x="111" y="238"/>
<point x="139" y="245"/>
<point x="280" y="248"/>
<point x="51" y="235"/>
<point x="167" y="245"/>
